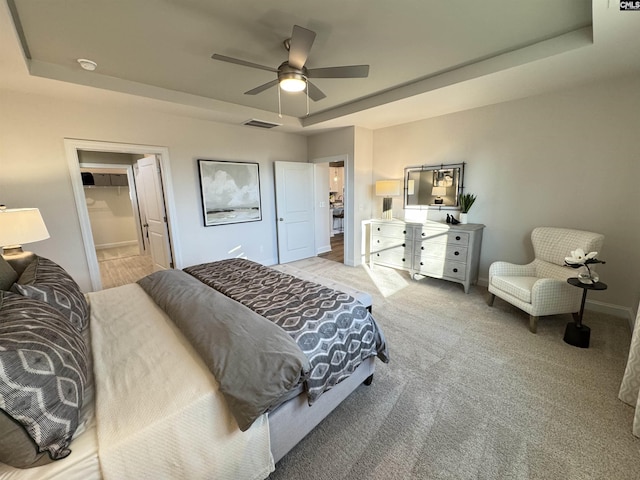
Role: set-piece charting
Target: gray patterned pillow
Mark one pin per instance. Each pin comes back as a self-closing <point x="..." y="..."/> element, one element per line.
<point x="47" y="281"/>
<point x="43" y="361"/>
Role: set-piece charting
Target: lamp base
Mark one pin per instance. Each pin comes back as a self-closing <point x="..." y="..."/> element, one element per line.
<point x="387" y="211"/>
<point x="18" y="259"/>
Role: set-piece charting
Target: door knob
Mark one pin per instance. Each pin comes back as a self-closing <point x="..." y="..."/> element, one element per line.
<point x="281" y="219"/>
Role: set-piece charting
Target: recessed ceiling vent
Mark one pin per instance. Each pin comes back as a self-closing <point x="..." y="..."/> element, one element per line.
<point x="261" y="123"/>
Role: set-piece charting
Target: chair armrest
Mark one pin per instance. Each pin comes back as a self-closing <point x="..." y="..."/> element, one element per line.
<point x="552" y="295"/>
<point x="511" y="270"/>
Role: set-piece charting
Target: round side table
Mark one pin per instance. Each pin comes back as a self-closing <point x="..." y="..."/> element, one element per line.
<point x="576" y="333"/>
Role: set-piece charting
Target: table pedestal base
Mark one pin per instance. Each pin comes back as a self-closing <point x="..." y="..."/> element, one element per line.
<point x="578" y="336"/>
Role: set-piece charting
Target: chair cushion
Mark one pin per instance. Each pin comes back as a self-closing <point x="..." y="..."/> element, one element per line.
<point x="519" y="287"/>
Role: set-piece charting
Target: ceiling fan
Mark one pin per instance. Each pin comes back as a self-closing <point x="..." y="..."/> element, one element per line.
<point x="293" y="76"/>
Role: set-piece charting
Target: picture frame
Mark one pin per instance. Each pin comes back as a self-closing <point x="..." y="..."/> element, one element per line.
<point x="230" y="192"/>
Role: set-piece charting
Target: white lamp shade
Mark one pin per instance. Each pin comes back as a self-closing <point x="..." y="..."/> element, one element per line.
<point x="21" y="225"/>
<point x="388" y="188"/>
<point x="439" y="191"/>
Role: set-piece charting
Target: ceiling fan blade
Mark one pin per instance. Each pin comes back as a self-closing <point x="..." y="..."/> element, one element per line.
<point x="349" y="71"/>
<point x="315" y="93"/>
<point x="262" y="87"/>
<point x="300" y="46"/>
<point x="244" y="63"/>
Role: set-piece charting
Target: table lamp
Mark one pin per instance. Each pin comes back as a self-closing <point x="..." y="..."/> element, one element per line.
<point x="387" y="189"/>
<point x="17" y="227"/>
<point x="438" y="192"/>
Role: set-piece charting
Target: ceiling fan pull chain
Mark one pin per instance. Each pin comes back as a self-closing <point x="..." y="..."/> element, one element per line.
<point x="307" y="85"/>
<point x="279" y="104"/>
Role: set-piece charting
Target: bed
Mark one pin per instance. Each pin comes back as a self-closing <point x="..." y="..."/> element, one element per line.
<point x="167" y="405"/>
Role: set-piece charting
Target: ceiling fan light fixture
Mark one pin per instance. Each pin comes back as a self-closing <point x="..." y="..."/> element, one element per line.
<point x="293" y="82"/>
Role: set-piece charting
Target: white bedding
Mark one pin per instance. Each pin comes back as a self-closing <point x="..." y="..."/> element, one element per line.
<point x="158" y="409"/>
<point x="159" y="414"/>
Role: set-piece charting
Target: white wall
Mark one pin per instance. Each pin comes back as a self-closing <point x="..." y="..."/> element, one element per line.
<point x="566" y="159"/>
<point x="111" y="216"/>
<point x="35" y="172"/>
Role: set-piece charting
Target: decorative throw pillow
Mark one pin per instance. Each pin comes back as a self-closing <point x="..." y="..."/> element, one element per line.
<point x="16" y="446"/>
<point x="43" y="360"/>
<point x="47" y="281"/>
<point x="7" y="274"/>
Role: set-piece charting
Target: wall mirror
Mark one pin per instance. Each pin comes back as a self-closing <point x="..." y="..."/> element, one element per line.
<point x="433" y="186"/>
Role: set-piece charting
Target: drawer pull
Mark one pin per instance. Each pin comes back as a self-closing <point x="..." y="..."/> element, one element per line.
<point x="456" y="253"/>
<point x="421" y="263"/>
<point x="423" y="234"/>
<point x="403" y="259"/>
<point x="421" y="248"/>
<point x="378" y="241"/>
<point x="457" y="237"/>
<point x="455" y="270"/>
<point x="378" y="228"/>
<point x="404" y="232"/>
<point x="404" y="244"/>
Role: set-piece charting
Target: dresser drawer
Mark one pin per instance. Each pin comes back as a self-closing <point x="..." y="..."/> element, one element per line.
<point x="398" y="257"/>
<point x="382" y="243"/>
<point x="389" y="230"/>
<point x="443" y="250"/>
<point x="440" y="267"/>
<point x="442" y="236"/>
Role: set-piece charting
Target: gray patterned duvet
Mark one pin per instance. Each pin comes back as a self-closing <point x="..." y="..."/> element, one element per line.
<point x="333" y="330"/>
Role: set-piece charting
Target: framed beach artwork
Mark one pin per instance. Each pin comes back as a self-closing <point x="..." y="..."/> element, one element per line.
<point x="230" y="192"/>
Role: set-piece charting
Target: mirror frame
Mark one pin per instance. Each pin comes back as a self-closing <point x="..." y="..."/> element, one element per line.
<point x="458" y="185"/>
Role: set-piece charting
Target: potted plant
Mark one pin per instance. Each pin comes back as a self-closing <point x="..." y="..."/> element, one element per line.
<point x="465" y="201"/>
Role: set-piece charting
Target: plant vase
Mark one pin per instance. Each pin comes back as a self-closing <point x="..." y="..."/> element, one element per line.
<point x="587" y="275"/>
<point x="465" y="201"/>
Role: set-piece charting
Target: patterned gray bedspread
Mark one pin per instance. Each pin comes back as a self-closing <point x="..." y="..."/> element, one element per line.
<point x="335" y="331"/>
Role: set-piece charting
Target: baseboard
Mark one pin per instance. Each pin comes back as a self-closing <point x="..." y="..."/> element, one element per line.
<point x="116" y="244"/>
<point x="610" y="309"/>
<point x="325" y="249"/>
<point x="595" y="306"/>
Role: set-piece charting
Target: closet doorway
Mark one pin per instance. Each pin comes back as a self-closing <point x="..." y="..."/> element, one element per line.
<point x="123" y="210"/>
<point x="114" y="215"/>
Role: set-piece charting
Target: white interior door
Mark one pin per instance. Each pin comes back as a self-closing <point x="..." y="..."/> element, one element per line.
<point x="155" y="219"/>
<point x="294" y="211"/>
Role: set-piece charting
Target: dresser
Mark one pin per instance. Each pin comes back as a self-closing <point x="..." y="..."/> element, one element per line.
<point x="432" y="249"/>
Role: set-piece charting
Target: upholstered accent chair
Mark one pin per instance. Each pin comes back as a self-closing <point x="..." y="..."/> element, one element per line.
<point x="540" y="288"/>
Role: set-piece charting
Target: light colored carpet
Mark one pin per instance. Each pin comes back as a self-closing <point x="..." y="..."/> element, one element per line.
<point x="470" y="393"/>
